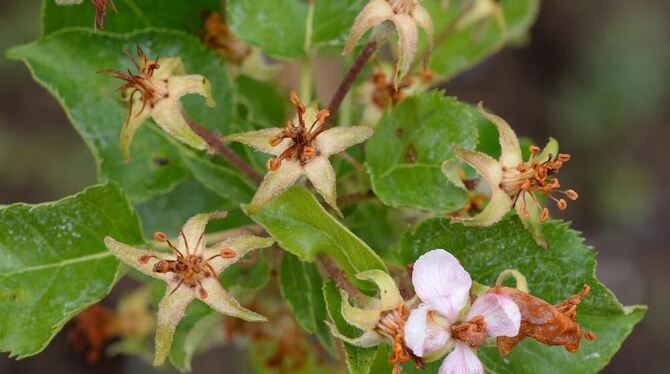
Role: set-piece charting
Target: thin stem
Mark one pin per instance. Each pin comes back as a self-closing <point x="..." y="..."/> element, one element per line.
<point x="328" y="266"/>
<point x="216" y="145"/>
<point x="307" y="68"/>
<point x="350" y="77"/>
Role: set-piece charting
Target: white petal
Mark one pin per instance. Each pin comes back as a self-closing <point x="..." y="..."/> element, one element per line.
<point x="441" y="283"/>
<point x="510" y="150"/>
<point x="389" y="294"/>
<point x="499" y="204"/>
<point x="422" y="335"/>
<point x="500" y="312"/>
<point x="462" y="360"/>
<point x="364" y="319"/>
<point x="374" y="13"/>
<point x="241" y="244"/>
<point x="181" y="85"/>
<point x="337" y="139"/>
<point x="170" y="311"/>
<point x="131" y="257"/>
<point x="217" y="298"/>
<point x="322" y="175"/>
<point x="261" y="140"/>
<point x="275" y="183"/>
<point x="169" y="116"/>
<point x="408" y="38"/>
<point x="193" y="230"/>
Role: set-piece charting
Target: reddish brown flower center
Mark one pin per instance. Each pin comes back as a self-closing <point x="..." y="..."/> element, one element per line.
<point x="473" y="332"/>
<point x="303" y="145"/>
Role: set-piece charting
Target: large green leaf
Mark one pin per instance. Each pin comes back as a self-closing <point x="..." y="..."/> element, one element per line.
<point x="301" y="286"/>
<point x="303" y="227"/>
<point x="464" y="49"/>
<point x="53" y="262"/>
<point x="132" y="15"/>
<point x="66" y="63"/>
<point x="359" y="360"/>
<point x="405" y="155"/>
<point x="553" y="275"/>
<point x="278" y="27"/>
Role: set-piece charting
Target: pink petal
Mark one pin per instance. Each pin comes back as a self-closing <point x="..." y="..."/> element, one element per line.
<point x="422" y="335"/>
<point x="500" y="312"/>
<point x="462" y="360"/>
<point x="441" y="282"/>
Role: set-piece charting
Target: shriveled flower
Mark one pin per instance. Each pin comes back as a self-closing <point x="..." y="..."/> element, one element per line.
<point x="191" y="271"/>
<point x="514" y="183"/>
<point x="478" y="12"/>
<point x="302" y="147"/>
<point x="100" y="10"/>
<point x="406" y="16"/>
<point x="381" y="319"/>
<point x="379" y="93"/>
<point x="154" y="91"/>
<point x="546" y="323"/>
<point x="443" y="323"/>
<point x="243" y="58"/>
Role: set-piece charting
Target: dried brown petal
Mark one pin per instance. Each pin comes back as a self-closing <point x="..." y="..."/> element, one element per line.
<point x="546" y="323"/>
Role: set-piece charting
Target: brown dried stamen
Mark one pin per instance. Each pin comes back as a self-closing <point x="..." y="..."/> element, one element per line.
<point x="150" y="89"/>
<point x="385" y="92"/>
<point x="219" y="37"/>
<point x="303" y="146"/>
<point x="392" y="325"/>
<point x="537" y="176"/>
<point x="101" y="11"/>
<point x="472" y="332"/>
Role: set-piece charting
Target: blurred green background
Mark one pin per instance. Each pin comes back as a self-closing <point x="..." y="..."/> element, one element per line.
<point x="594" y="74"/>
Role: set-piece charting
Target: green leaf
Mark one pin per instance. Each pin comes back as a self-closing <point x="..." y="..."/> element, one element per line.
<point x="464" y="49"/>
<point x="405" y="155"/>
<point x="242" y="279"/>
<point x="191" y="335"/>
<point x="552" y="274"/>
<point x="53" y="262"/>
<point x="301" y="286"/>
<point x="359" y="360"/>
<point x="304" y="228"/>
<point x="278" y="27"/>
<point x="67" y="62"/>
<point x="169" y="211"/>
<point x="132" y="15"/>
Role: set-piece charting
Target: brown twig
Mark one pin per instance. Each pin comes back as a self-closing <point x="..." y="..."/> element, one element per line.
<point x="328" y="266"/>
<point x="348" y="79"/>
<point x="218" y="146"/>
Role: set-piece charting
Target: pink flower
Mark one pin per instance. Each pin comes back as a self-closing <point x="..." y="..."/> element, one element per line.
<point x="440" y="326"/>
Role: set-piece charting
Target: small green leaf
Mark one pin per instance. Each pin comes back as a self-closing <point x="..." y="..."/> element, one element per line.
<point x="92" y="101"/>
<point x="405" y="155"/>
<point x="553" y="275"/>
<point x="460" y="50"/>
<point x="53" y="262"/>
<point x="132" y="15"/>
<point x="301" y="286"/>
<point x="304" y="228"/>
<point x="359" y="360"/>
<point x="278" y="27"/>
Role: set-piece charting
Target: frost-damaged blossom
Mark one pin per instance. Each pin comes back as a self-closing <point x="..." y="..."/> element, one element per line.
<point x="407" y="16"/>
<point x="381" y="319"/>
<point x="546" y="323"/>
<point x="446" y="323"/>
<point x="513" y="182"/>
<point x="243" y="58"/>
<point x="191" y="271"/>
<point x="302" y="147"/>
<point x="478" y="12"/>
<point x="100" y="9"/>
<point x="379" y="93"/>
<point x="154" y="91"/>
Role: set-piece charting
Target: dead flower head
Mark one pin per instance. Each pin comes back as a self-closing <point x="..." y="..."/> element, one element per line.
<point x="191" y="271"/>
<point x="154" y="91"/>
<point x="302" y="147"/>
<point x="513" y="182"/>
<point x="406" y="16"/>
<point x="100" y="10"/>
